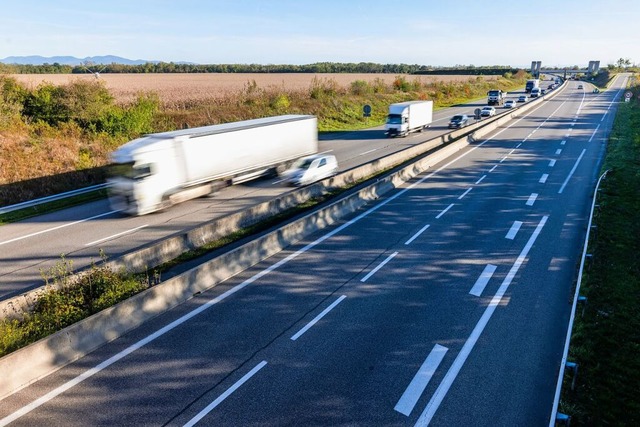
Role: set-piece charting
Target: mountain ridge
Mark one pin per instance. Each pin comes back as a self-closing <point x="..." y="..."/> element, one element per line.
<point x="72" y="60"/>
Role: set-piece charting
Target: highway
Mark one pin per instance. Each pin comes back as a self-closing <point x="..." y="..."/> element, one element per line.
<point x="29" y="247"/>
<point x="444" y="303"/>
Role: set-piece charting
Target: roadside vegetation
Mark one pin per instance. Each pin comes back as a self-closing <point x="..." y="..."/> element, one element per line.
<point x="56" y="138"/>
<point x="606" y="337"/>
<point x="68" y="299"/>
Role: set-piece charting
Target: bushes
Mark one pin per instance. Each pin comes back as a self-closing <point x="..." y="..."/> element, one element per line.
<point x="66" y="302"/>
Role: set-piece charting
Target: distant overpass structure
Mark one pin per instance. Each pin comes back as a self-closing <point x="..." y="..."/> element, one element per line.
<point x="592" y="68"/>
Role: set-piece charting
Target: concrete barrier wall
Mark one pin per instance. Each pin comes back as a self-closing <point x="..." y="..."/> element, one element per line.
<point x="37" y="360"/>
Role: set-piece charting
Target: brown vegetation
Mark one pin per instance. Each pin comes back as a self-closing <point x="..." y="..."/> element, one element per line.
<point x="184" y="88"/>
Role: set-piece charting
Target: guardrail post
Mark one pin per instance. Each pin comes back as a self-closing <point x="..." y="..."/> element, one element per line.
<point x="573" y="366"/>
<point x="582" y="299"/>
<point x="563" y="419"/>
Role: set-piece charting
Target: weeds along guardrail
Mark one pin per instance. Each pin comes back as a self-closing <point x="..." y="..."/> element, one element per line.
<point x="163" y="251"/>
<point x="51" y="353"/>
<point x="555" y="416"/>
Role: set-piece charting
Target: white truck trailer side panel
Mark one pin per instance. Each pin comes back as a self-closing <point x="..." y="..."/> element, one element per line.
<point x="251" y="145"/>
<point x="420" y="114"/>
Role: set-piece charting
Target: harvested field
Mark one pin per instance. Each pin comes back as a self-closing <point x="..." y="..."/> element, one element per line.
<point x="193" y="87"/>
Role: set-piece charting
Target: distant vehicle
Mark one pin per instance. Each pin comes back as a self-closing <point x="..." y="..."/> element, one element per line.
<point x="488" y="111"/>
<point x="410" y="116"/>
<point x="580" y="87"/>
<point x="531" y="84"/>
<point x="551" y="86"/>
<point x="458" y="121"/>
<point x="536" y="92"/>
<point x="158" y="170"/>
<point x="510" y="103"/>
<point x="496" y="97"/>
<point x="311" y="169"/>
<point x="596" y="90"/>
<point x="523" y="98"/>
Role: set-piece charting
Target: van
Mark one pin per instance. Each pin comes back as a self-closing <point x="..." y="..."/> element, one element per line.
<point x="311" y="169"/>
<point x="535" y="92"/>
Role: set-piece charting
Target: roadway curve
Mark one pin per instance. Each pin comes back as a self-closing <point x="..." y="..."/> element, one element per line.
<point x="444" y="303"/>
<point x="29" y="247"/>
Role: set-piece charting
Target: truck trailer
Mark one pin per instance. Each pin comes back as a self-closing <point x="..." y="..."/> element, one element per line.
<point x="531" y="84"/>
<point x="496" y="97"/>
<point x="410" y="116"/>
<point x="159" y="170"/>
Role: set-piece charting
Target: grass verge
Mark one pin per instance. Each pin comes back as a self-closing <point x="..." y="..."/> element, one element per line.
<point x="606" y="338"/>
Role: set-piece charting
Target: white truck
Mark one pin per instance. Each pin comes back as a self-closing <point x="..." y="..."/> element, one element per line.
<point x="158" y="170"/>
<point x="410" y="116"/>
<point x="496" y="97"/>
<point x="531" y="84"/>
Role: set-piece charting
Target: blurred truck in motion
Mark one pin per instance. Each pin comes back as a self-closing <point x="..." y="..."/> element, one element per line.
<point x="410" y="116"/>
<point x="496" y="97"/>
<point x="531" y="84"/>
<point x="159" y="170"/>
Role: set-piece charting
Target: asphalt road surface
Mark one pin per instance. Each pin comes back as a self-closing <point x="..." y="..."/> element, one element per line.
<point x="33" y="246"/>
<point x="444" y="303"/>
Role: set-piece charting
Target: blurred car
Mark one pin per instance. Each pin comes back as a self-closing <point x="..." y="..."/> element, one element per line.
<point x="580" y="87"/>
<point x="523" y="98"/>
<point x="311" y="169"/>
<point x="596" y="90"/>
<point x="488" y="111"/>
<point x="458" y="121"/>
<point x="510" y="103"/>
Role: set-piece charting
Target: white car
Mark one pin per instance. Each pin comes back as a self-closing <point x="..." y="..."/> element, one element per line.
<point x="510" y="103"/>
<point x="488" y="111"/>
<point x="311" y="169"/>
<point x="523" y="98"/>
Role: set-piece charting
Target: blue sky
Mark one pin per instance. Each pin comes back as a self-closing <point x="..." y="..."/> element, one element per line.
<point x="427" y="32"/>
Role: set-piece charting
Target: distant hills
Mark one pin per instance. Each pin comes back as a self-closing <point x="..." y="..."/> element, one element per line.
<point x="72" y="60"/>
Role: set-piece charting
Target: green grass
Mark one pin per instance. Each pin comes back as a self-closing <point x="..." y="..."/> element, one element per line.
<point x="606" y="340"/>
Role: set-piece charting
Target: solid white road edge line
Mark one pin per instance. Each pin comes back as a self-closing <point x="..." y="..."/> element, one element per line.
<point x="482" y="281"/>
<point x="452" y="373"/>
<point x="89" y="373"/>
<point x="226" y="394"/>
<point x="378" y="267"/>
<point x="116" y="235"/>
<point x="575" y="166"/>
<point x="317" y="318"/>
<point x="57" y="228"/>
<point x="419" y="382"/>
<point x="480" y="180"/>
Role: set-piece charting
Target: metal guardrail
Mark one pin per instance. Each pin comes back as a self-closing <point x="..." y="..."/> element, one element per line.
<point x="36" y="202"/>
<point x="555" y="416"/>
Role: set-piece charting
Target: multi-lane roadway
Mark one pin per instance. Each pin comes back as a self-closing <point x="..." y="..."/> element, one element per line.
<point x="444" y="303"/>
<point x="33" y="246"/>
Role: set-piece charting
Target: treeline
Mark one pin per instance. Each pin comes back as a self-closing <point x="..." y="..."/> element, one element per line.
<point x="319" y="67"/>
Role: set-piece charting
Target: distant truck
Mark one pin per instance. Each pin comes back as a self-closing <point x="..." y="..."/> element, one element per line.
<point x="496" y="97"/>
<point x="410" y="116"/>
<point x="531" y="84"/>
<point x="158" y="170"/>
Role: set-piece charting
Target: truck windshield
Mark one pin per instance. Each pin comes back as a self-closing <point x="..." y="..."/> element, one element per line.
<point x="493" y="93"/>
<point x="130" y="170"/>
<point x="394" y="119"/>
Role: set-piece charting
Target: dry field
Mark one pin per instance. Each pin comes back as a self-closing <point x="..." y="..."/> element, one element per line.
<point x="188" y="87"/>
